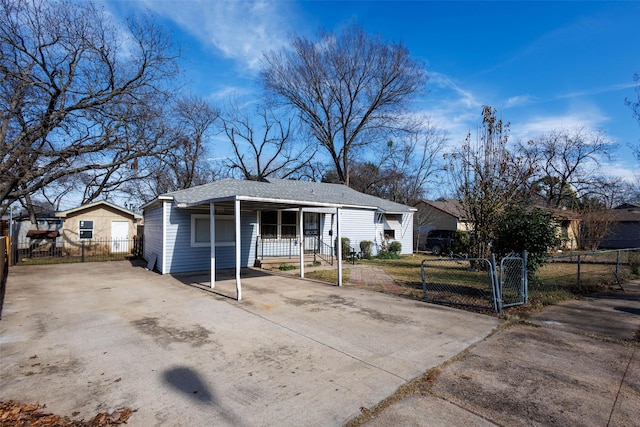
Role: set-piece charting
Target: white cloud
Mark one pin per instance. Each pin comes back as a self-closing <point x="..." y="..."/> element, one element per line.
<point x="623" y="171"/>
<point x="239" y="30"/>
<point x="517" y="101"/>
<point x="464" y="98"/>
<point x="597" y="90"/>
<point x="582" y="116"/>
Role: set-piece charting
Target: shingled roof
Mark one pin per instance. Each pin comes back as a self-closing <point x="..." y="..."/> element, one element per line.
<point x="450" y="206"/>
<point x="283" y="191"/>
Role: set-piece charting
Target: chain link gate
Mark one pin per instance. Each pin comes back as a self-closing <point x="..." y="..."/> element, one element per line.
<point x="513" y="281"/>
<point x="475" y="282"/>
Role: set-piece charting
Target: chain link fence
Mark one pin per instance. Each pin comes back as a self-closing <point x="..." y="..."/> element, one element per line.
<point x="592" y="269"/>
<point x="459" y="281"/>
<point x="475" y="282"/>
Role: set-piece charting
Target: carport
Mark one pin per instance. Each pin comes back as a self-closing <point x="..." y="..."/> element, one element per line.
<point x="236" y="204"/>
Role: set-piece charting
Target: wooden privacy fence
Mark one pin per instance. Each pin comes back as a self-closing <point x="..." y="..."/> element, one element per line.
<point x="4" y="268"/>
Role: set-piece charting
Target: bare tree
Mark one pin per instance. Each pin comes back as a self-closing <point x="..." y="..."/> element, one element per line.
<point x="75" y="94"/>
<point x="635" y="109"/>
<point x="190" y="127"/>
<point x="350" y="89"/>
<point x="265" y="146"/>
<point x="569" y="163"/>
<point x="489" y="178"/>
<point x="402" y="171"/>
<point x="418" y="159"/>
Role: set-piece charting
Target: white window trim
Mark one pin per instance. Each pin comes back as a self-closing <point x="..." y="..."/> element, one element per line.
<point x="195" y="244"/>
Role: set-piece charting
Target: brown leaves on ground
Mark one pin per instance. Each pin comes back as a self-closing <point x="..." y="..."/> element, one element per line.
<point x="14" y="414"/>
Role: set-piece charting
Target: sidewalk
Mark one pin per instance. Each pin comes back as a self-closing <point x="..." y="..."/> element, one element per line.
<point x="575" y="363"/>
<point x="374" y="278"/>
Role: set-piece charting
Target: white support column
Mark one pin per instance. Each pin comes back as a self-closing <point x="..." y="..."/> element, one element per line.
<point x="301" y="230"/>
<point x="339" y="246"/>
<point x="212" y="238"/>
<point x="238" y="248"/>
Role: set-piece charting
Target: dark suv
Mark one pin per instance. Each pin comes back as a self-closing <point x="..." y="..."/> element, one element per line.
<point x="439" y="241"/>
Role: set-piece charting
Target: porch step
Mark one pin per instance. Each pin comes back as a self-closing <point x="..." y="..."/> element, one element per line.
<point x="275" y="263"/>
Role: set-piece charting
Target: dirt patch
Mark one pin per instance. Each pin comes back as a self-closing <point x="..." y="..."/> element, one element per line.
<point x="197" y="336"/>
<point x="527" y="375"/>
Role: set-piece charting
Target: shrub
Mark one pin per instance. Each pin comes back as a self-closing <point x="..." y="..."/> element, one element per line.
<point x="346" y="247"/>
<point x="395" y="247"/>
<point x="386" y="254"/>
<point x="521" y="229"/>
<point x="366" y="246"/>
<point x="390" y="250"/>
<point x="460" y="243"/>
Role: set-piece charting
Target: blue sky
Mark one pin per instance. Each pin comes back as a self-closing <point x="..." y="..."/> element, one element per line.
<point x="543" y="65"/>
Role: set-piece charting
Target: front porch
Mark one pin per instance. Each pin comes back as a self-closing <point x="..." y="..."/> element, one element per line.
<point x="273" y="253"/>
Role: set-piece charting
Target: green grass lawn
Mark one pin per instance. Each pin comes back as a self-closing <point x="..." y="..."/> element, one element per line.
<point x="555" y="281"/>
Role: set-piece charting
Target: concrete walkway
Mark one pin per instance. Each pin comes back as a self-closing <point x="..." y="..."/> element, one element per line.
<point x="575" y="363"/>
<point x="374" y="278"/>
<point x="85" y="338"/>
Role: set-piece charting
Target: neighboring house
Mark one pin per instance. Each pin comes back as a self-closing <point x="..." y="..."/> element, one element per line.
<point x="568" y="227"/>
<point x="441" y="214"/>
<point x="100" y="221"/>
<point x="46" y="230"/>
<point x="624" y="231"/>
<point x="254" y="220"/>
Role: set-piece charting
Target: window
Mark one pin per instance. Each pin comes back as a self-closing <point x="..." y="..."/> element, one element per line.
<point x="85" y="229"/>
<point x="201" y="231"/>
<point x="278" y="224"/>
<point x="269" y="224"/>
<point x="389" y="234"/>
<point x="288" y="228"/>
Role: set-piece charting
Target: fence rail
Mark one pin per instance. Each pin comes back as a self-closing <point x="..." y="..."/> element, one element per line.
<point x="596" y="267"/>
<point x="459" y="281"/>
<point x="476" y="282"/>
<point x="55" y="251"/>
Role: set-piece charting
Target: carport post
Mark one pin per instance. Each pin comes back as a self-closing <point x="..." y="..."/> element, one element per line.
<point x="300" y="227"/>
<point x="212" y="238"/>
<point x="339" y="246"/>
<point x="238" y="252"/>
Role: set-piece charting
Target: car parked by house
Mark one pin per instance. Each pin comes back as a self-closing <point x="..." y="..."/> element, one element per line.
<point x="439" y="241"/>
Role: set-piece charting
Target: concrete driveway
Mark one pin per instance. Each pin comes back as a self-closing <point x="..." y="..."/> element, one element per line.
<point x="85" y="338"/>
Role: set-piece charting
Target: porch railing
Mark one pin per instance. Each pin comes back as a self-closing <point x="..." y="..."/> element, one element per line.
<point x="289" y="247"/>
<point x="269" y="247"/>
<point x="322" y="250"/>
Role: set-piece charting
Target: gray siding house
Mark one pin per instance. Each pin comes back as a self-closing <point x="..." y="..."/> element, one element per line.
<point x="256" y="220"/>
<point x="624" y="231"/>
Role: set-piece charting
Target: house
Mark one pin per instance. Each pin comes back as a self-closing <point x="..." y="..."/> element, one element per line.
<point x="45" y="232"/>
<point x="624" y="230"/>
<point x="255" y="220"/>
<point x="567" y="227"/>
<point x="441" y="214"/>
<point x="100" y="221"/>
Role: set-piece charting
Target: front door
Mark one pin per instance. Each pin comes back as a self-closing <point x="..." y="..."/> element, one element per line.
<point x="119" y="236"/>
<point x="311" y="224"/>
